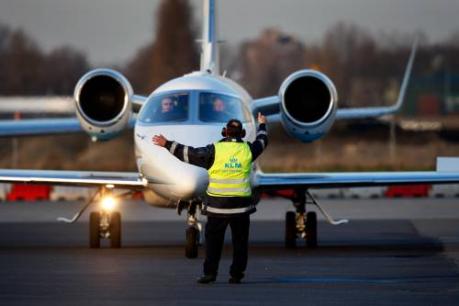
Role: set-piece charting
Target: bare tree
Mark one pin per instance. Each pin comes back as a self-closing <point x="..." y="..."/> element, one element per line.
<point x="23" y="61"/>
<point x="348" y="51"/>
<point x="26" y="70"/>
<point x="266" y="61"/>
<point x="63" y="66"/>
<point x="173" y="53"/>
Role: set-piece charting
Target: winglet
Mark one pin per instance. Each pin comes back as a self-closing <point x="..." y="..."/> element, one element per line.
<point x="373" y="112"/>
<point x="406" y="77"/>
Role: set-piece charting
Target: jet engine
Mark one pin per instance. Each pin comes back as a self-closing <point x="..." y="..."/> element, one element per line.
<point x="103" y="103"/>
<point x="308" y="104"/>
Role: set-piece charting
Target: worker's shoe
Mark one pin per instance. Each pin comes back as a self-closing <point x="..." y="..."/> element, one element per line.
<point x="207" y="279"/>
<point x="235" y="277"/>
<point x="234" y="280"/>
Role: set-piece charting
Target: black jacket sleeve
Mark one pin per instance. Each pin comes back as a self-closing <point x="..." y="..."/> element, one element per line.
<point x="257" y="147"/>
<point x="204" y="156"/>
<point x="201" y="157"/>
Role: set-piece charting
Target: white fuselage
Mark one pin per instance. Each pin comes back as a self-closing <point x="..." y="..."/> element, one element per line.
<point x="171" y="180"/>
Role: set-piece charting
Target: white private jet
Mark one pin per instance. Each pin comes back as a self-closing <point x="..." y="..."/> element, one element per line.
<point x="106" y="105"/>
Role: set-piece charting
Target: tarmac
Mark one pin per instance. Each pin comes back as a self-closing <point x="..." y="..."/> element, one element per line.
<point x="393" y="252"/>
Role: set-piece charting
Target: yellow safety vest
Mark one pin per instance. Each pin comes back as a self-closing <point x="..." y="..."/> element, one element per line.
<point x="229" y="175"/>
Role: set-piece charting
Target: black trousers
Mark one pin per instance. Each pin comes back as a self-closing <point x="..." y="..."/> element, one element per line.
<point x="215" y="236"/>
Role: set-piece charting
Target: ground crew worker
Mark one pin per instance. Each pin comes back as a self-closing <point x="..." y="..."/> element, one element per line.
<point x="228" y="200"/>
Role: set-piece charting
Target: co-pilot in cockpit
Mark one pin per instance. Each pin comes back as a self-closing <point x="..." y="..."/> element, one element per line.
<point x="220" y="108"/>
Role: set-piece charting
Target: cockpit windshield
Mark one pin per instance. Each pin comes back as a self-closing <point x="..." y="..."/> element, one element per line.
<point x="168" y="108"/>
<point x="221" y="108"/>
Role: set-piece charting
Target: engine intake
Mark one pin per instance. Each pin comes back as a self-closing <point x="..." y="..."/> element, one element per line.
<point x="103" y="103"/>
<point x="308" y="104"/>
<point x="102" y="98"/>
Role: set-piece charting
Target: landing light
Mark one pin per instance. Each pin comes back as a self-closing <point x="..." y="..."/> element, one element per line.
<point x="108" y="203"/>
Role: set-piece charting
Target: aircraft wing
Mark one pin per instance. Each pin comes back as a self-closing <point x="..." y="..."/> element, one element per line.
<point x="124" y="180"/>
<point x="37" y="105"/>
<point x="44" y="126"/>
<point x="273" y="181"/>
<point x="270" y="106"/>
<point x="28" y="127"/>
<point x="48" y="105"/>
<point x="137" y="102"/>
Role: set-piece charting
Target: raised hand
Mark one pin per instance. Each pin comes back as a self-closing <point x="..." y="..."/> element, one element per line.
<point x="261" y="119"/>
<point x="159" y="140"/>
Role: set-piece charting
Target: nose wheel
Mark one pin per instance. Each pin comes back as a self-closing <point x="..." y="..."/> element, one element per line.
<point x="193" y="231"/>
<point x="192" y="242"/>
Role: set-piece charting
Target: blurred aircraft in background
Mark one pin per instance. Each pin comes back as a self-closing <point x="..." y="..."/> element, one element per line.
<point x="184" y="109"/>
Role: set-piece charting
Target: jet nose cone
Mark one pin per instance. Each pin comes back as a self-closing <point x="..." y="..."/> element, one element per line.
<point x="192" y="183"/>
<point x="181" y="181"/>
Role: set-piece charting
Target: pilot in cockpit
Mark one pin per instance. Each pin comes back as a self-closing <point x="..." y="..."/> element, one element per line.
<point x="169" y="110"/>
<point x="218" y="105"/>
<point x="220" y="111"/>
<point x="167" y="105"/>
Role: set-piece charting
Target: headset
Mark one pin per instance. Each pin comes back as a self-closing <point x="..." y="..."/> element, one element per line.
<point x="234" y="125"/>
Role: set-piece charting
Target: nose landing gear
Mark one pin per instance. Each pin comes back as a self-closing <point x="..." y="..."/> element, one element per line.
<point x="193" y="232"/>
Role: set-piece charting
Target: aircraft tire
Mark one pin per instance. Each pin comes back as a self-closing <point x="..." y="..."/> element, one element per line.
<point x="311" y="229"/>
<point x="94" y="230"/>
<point x="115" y="230"/>
<point x="192" y="241"/>
<point x="290" y="230"/>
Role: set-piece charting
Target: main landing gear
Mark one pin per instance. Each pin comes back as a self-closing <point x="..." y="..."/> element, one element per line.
<point x="104" y="223"/>
<point x="194" y="229"/>
<point x="302" y="225"/>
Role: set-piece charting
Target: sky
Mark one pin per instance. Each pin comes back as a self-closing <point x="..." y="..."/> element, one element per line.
<point x="111" y="31"/>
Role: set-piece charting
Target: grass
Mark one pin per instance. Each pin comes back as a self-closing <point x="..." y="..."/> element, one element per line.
<point x="337" y="152"/>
